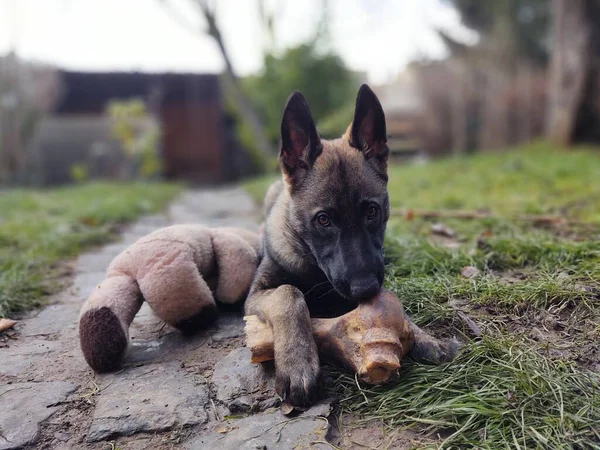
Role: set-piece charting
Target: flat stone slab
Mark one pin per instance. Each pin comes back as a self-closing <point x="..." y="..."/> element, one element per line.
<point x="147" y="399"/>
<point x="241" y="385"/>
<point x="98" y="260"/>
<point x="228" y="326"/>
<point x="84" y="284"/>
<point x="50" y="320"/>
<point x="215" y="203"/>
<point x="144" y="226"/>
<point x="25" y="406"/>
<point x="17" y="358"/>
<point x="269" y="430"/>
<point x="215" y="208"/>
<point x="155" y="349"/>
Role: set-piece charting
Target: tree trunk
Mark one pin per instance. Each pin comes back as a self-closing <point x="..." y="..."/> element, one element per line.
<point x="242" y="102"/>
<point x="571" y="68"/>
<point x="459" y="108"/>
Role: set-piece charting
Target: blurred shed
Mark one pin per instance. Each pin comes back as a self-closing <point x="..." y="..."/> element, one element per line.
<point x="403" y="106"/>
<point x="196" y="144"/>
<point x="60" y="143"/>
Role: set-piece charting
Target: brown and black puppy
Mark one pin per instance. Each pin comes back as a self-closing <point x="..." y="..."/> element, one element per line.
<point x="323" y="239"/>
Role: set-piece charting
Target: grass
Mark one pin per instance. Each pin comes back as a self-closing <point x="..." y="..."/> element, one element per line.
<point x="496" y="394"/>
<point x="531" y="381"/>
<point x="257" y="187"/>
<point x="535" y="179"/>
<point x="41" y="229"/>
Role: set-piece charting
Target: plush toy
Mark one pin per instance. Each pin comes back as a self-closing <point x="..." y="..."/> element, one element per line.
<point x="176" y="270"/>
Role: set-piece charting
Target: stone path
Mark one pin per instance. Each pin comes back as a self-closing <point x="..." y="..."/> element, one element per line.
<point x="174" y="392"/>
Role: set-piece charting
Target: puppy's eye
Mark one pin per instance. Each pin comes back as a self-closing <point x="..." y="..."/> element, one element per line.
<point x="372" y="212"/>
<point x="323" y="220"/>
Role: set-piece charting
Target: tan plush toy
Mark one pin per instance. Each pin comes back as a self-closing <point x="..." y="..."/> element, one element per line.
<point x="176" y="270"/>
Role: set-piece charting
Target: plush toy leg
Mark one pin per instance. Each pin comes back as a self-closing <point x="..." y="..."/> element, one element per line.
<point x="237" y="262"/>
<point x="104" y="322"/>
<point x="178" y="295"/>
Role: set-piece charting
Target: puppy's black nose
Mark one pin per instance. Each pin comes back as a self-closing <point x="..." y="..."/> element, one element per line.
<point x="364" y="288"/>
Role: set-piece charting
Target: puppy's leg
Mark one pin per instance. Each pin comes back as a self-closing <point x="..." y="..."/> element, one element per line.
<point x="428" y="349"/>
<point x="297" y="369"/>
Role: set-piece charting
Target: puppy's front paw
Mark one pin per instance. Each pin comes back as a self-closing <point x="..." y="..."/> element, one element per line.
<point x="298" y="379"/>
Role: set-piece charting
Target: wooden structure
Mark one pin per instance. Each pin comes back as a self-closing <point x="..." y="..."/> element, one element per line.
<point x="574" y="91"/>
<point x="404" y="115"/>
<point x="196" y="145"/>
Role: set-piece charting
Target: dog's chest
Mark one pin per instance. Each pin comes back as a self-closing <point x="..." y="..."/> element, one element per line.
<point x="324" y="301"/>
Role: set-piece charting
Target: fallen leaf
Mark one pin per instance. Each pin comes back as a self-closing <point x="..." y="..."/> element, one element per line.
<point x="562" y="276"/>
<point x="483" y="244"/>
<point x="410" y="214"/>
<point x="88" y="221"/>
<point x="286" y="409"/>
<point x="470" y="272"/>
<point x="469" y="323"/>
<point x="442" y="230"/>
<point x="6" y="324"/>
<point x="225" y="429"/>
<point x="451" y="244"/>
<point x="584" y="288"/>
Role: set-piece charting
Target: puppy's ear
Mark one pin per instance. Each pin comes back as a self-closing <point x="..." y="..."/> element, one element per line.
<point x="367" y="132"/>
<point x="300" y="142"/>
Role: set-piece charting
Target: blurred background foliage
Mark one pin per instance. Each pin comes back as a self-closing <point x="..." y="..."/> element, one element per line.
<point x="138" y="134"/>
<point x="322" y="77"/>
<point x="525" y="23"/>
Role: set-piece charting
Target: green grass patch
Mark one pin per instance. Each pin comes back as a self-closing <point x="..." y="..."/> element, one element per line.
<point x="498" y="393"/>
<point x="40" y="229"/>
<point x="536" y="179"/>
<point x="257" y="187"/>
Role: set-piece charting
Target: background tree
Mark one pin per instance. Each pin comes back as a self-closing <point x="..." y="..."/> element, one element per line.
<point x="207" y="13"/>
<point x="311" y="67"/>
<point x="495" y="88"/>
<point x="322" y="78"/>
<point x="574" y="94"/>
<point x="27" y="92"/>
<point x="521" y="27"/>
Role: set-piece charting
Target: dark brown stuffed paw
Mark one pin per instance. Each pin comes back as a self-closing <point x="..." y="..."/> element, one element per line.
<point x="102" y="339"/>
<point x="199" y="321"/>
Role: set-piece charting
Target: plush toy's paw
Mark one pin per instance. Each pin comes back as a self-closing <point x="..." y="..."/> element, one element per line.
<point x="202" y="319"/>
<point x="103" y="340"/>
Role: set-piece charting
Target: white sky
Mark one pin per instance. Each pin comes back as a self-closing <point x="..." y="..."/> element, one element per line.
<point x="375" y="36"/>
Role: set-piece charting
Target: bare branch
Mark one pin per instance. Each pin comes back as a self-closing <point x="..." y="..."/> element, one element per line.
<point x="208" y="11"/>
<point x="180" y="19"/>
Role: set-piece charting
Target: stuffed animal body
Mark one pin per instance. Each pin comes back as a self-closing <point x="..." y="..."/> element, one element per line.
<point x="181" y="271"/>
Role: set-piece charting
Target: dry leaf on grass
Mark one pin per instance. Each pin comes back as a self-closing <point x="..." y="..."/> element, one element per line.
<point x="474" y="329"/>
<point x="469" y="272"/>
<point x="6" y="324"/>
<point x="223" y="429"/>
<point x="442" y="230"/>
<point x="286" y="408"/>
